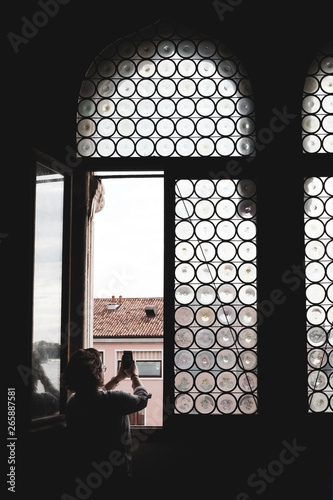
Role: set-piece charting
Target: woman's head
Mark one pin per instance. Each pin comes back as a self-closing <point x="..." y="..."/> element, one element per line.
<point x="84" y="371"/>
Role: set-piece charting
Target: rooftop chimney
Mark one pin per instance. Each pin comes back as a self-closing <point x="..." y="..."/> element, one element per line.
<point x="114" y="303"/>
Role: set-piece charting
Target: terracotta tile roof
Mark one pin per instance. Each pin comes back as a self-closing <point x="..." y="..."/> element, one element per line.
<point x="129" y="319"/>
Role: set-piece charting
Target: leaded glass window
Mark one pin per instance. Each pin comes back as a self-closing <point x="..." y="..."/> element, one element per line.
<point x="317" y="105"/>
<point x="215" y="297"/>
<point x="165" y="91"/>
<point x="317" y="135"/>
<point x="318" y="207"/>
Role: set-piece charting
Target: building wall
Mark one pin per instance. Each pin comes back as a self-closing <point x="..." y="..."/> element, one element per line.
<point x="154" y="410"/>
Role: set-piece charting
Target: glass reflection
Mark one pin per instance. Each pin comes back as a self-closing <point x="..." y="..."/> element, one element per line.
<point x="47" y="292"/>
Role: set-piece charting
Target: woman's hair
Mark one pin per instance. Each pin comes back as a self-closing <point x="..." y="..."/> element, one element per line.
<point x="84" y="370"/>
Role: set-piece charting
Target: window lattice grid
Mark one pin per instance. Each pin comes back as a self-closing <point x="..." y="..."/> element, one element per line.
<point x="318" y="219"/>
<point x="317" y="104"/>
<point x="215" y="297"/>
<point x="165" y="91"/>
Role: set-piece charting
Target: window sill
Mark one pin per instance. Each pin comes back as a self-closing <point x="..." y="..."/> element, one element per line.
<point x="47" y="423"/>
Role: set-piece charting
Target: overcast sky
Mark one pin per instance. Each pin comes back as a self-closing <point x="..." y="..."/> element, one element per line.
<point x="128" y="249"/>
<point x="48" y="257"/>
<point x="129" y="246"/>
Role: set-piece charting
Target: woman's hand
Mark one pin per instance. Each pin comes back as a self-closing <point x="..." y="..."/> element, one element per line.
<point x="121" y="375"/>
<point x="132" y="370"/>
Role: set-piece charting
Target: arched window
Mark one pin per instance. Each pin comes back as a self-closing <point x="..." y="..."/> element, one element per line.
<point x="317" y="127"/>
<point x="165" y="91"/>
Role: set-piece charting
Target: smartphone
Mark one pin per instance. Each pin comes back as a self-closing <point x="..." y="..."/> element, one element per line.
<point x="127" y="359"/>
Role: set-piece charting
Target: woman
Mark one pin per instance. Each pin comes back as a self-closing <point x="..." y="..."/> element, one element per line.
<point x="97" y="421"/>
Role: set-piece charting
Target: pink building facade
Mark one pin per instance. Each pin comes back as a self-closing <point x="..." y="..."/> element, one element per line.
<point x="134" y="324"/>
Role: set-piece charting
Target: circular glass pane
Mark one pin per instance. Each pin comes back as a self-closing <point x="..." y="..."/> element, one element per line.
<point x="184" y="316"/>
<point x="227" y="272"/>
<point x="316" y="315"/>
<point x="317" y="380"/>
<point x="205" y="316"/>
<point x="315" y="293"/>
<point x="86" y="107"/>
<point x="247" y="316"/>
<point x="246" y="188"/>
<point x="106" y="127"/>
<point x="247" y="360"/>
<point x="316" y="336"/>
<point x="226" y="359"/>
<point x="184" y="359"/>
<point x="184" y="230"/>
<point x="226" y="336"/>
<point x="184" y="251"/>
<point x="205" y="251"/>
<point x="313" y="186"/>
<point x="205" y="403"/>
<point x="184" y="209"/>
<point x="205" y="230"/>
<point x="247" y="404"/>
<point x="226" y="403"/>
<point x="226" y="251"/>
<point x="247" y="294"/>
<point x="105" y="147"/>
<point x="184" y="381"/>
<point x="86" y="127"/>
<point x="184" y="273"/>
<point x="313" y="207"/>
<point x="315" y="249"/>
<point x="184" y="294"/>
<point x="206" y="273"/>
<point x="247" y="272"/>
<point x="205" y="382"/>
<point x="183" y="337"/>
<point x="317" y="358"/>
<point x="248" y="382"/>
<point x="226" y="381"/>
<point x="225" y="230"/>
<point x="247" y="251"/>
<point x="247" y="209"/>
<point x="246" y="230"/>
<point x="315" y="271"/>
<point x="185" y="147"/>
<point x="184" y="403"/>
<point x="86" y="147"/>
<point x="247" y="338"/>
<point x="227" y="293"/>
<point x="318" y="402"/>
<point x="225" y="209"/>
<point x="205" y="360"/>
<point x="205" y="294"/>
<point x="205" y="338"/>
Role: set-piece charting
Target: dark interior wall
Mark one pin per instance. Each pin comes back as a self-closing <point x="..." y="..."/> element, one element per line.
<point x="276" y="41"/>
